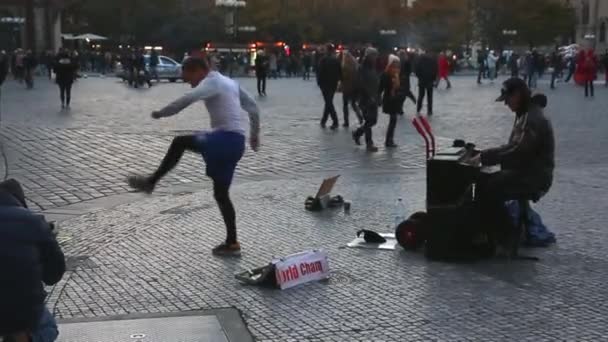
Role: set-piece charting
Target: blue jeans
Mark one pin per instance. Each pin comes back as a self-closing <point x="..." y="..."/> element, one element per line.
<point x="47" y="330"/>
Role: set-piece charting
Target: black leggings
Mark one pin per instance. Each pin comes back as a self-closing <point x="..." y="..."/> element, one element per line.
<point x="588" y="87"/>
<point x="65" y="92"/>
<point x="390" y="132"/>
<point x="221" y="193"/>
<point x="262" y="84"/>
<point x="428" y="90"/>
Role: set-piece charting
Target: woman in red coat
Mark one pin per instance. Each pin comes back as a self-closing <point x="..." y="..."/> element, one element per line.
<point x="587" y="67"/>
<point x="444" y="70"/>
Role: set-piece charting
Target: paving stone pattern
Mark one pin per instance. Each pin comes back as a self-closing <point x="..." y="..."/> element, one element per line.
<point x="153" y="255"/>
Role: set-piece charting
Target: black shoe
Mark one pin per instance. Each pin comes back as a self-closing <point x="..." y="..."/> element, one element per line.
<point x="141" y="184"/>
<point x="224" y="249"/>
<point x="334" y="126"/>
<point x="323" y="125"/>
<point x="357" y="138"/>
<point x="372" y="148"/>
<point x="345" y="124"/>
<point x="390" y="145"/>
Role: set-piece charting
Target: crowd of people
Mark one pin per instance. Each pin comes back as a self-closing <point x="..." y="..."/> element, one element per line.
<point x="583" y="66"/>
<point x="369" y="80"/>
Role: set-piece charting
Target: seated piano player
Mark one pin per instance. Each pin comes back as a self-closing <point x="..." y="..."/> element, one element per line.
<point x="527" y="160"/>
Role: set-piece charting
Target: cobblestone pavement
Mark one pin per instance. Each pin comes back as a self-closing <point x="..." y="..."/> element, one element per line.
<point x="152" y="255"/>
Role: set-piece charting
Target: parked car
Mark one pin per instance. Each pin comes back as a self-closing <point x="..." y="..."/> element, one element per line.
<point x="167" y="69"/>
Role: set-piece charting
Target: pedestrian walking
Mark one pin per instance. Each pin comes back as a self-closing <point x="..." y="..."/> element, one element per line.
<point x="491" y="62"/>
<point x="444" y="70"/>
<point x="350" y="69"/>
<point x="571" y="65"/>
<point x="426" y="71"/>
<point x="513" y="64"/>
<point x="481" y="64"/>
<point x="404" y="79"/>
<point x="261" y="72"/>
<point x="605" y="65"/>
<point x="48" y="61"/>
<point x="587" y="64"/>
<point x="329" y="74"/>
<point x="154" y="61"/>
<point x="65" y="71"/>
<point x="368" y="84"/>
<point x="30" y="62"/>
<point x="556" y="64"/>
<point x="390" y="85"/>
<point x="19" y="65"/>
<point x="273" y="64"/>
<point x="221" y="148"/>
<point x="109" y="62"/>
<point x="307" y="65"/>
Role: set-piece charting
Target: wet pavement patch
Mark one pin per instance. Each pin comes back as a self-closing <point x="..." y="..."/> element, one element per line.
<point x="222" y="325"/>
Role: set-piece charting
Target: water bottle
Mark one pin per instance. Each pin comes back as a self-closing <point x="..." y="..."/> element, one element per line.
<point x="399" y="213"/>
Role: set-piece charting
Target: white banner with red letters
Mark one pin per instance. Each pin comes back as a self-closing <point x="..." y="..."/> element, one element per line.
<point x="301" y="268"/>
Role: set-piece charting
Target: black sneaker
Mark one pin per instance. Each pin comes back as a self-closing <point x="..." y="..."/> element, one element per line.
<point x="357" y="138"/>
<point x="334" y="127"/>
<point x="390" y="145"/>
<point x="372" y="148"/>
<point x="232" y="250"/>
<point x="141" y="184"/>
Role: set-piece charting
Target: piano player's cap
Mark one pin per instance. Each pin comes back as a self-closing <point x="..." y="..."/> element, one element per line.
<point x="510" y="86"/>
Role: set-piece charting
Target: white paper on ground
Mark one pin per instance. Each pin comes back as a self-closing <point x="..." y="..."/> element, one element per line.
<point x="390" y="244"/>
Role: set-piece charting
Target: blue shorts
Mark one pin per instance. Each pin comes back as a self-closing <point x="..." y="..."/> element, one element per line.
<point x="221" y="152"/>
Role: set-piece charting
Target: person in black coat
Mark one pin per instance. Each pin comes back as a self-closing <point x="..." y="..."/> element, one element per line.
<point x="329" y="74"/>
<point x="390" y="86"/>
<point x="404" y="79"/>
<point x="65" y="72"/>
<point x="426" y="71"/>
<point x="4" y="65"/>
<point x="368" y="83"/>
<point x="29" y="256"/>
<point x="261" y="72"/>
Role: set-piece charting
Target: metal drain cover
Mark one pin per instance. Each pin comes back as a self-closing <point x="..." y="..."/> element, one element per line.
<point x="189" y="328"/>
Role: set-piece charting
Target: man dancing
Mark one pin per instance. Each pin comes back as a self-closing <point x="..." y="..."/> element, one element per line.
<point x="221" y="148"/>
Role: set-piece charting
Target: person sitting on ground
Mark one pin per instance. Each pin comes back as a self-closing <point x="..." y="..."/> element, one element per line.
<point x="527" y="160"/>
<point x="29" y="256"/>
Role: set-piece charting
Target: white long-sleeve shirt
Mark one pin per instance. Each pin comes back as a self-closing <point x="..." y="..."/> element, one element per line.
<point x="224" y="99"/>
<point x="492" y="61"/>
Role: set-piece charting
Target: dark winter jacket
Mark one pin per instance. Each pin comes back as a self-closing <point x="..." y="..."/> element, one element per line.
<point x="530" y="150"/>
<point x="368" y="83"/>
<point x="406" y="72"/>
<point x="392" y="102"/>
<point x="261" y="66"/>
<point x="426" y="70"/>
<point x="329" y="72"/>
<point x="65" y="69"/>
<point x="29" y="257"/>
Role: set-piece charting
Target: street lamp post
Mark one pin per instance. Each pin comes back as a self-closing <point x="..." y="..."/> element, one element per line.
<point x="232" y="6"/>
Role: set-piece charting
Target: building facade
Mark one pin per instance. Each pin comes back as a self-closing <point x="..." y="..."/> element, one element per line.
<point x="592" y="23"/>
<point x="30" y="24"/>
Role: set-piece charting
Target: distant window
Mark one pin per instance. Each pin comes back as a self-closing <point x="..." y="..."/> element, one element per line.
<point x="603" y="32"/>
<point x="585" y="14"/>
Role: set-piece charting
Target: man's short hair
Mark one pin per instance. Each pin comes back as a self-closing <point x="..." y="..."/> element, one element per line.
<point x="193" y="63"/>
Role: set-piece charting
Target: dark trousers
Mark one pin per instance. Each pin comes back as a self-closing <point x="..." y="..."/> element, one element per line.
<point x="428" y="91"/>
<point x="370" y="118"/>
<point x="589" y="88"/>
<point x="480" y="74"/>
<point x="306" y="73"/>
<point x="329" y="109"/>
<point x="184" y="143"/>
<point x="390" y="131"/>
<point x="349" y="100"/>
<point x="65" y="93"/>
<point x="570" y="73"/>
<point x="261" y="84"/>
<point x="554" y="75"/>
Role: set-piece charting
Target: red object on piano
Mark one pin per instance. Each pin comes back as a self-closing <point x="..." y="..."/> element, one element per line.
<point x="423" y="127"/>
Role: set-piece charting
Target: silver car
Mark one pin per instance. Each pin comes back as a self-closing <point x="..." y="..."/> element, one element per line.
<point x="167" y="69"/>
